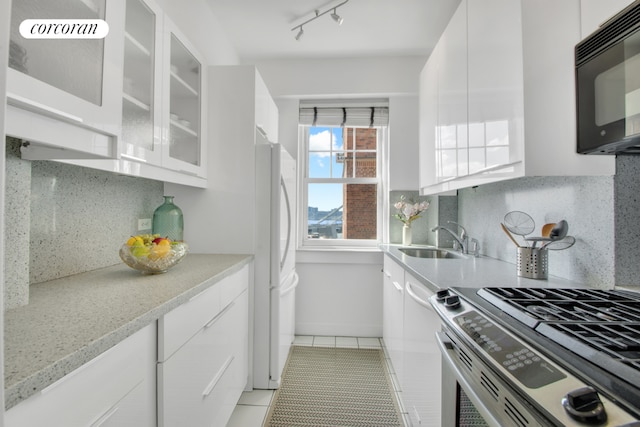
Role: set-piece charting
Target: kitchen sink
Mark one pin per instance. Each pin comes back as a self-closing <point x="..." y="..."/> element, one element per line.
<point x="430" y="253"/>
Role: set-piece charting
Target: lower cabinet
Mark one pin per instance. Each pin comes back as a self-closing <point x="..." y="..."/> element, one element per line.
<point x="409" y="331"/>
<point x="422" y="379"/>
<point x="392" y="308"/>
<point x="189" y="368"/>
<point x="117" y="388"/>
<point x="202" y="380"/>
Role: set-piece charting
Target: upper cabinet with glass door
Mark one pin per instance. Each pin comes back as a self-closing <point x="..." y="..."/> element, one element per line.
<point x="142" y="88"/>
<point x="183" y="141"/>
<point x="75" y="82"/>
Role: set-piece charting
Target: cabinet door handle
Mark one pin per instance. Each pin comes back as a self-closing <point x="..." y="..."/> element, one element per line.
<point x="105" y="417"/>
<point x="188" y="172"/>
<point x="134" y="158"/>
<point x="386" y="274"/>
<point x="261" y="130"/>
<point x="111" y="411"/>
<point x="28" y="104"/>
<point x="397" y="285"/>
<point x="207" y="391"/>
<point x="219" y="315"/>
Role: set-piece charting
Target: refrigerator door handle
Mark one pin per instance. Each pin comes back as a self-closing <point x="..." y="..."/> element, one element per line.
<point x="294" y="283"/>
<point x="286" y="199"/>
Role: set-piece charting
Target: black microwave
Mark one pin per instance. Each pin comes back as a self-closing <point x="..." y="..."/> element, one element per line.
<point x="608" y="86"/>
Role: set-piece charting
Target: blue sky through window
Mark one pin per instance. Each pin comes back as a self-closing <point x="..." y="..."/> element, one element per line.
<point x="324" y="145"/>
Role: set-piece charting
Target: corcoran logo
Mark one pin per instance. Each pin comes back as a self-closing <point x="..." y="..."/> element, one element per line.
<point x="64" y="28"/>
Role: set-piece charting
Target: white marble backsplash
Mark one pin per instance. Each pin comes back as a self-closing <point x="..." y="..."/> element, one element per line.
<point x="67" y="219"/>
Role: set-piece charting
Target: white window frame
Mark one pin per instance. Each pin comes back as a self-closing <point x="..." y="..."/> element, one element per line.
<point x="304" y="180"/>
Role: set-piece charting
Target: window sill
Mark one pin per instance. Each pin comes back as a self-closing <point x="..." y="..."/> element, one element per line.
<point x="339" y="255"/>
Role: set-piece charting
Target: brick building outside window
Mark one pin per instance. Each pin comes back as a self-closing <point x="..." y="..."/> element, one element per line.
<point x="360" y="200"/>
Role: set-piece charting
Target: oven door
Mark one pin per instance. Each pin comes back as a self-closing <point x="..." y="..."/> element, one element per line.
<point x="473" y="396"/>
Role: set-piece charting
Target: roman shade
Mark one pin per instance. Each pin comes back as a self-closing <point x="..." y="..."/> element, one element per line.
<point x="356" y="116"/>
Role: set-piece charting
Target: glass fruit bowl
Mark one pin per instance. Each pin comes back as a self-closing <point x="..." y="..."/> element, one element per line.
<point x="153" y="258"/>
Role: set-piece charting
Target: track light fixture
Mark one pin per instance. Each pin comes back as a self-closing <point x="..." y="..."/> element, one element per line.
<point x="339" y="20"/>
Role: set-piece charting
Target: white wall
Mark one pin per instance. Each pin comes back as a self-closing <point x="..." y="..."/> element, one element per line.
<point x="198" y="23"/>
<point x="340" y="293"/>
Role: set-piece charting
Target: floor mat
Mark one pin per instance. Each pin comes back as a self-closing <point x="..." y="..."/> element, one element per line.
<point x="328" y="386"/>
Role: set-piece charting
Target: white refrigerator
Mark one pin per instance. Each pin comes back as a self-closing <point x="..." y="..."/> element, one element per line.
<point x="275" y="276"/>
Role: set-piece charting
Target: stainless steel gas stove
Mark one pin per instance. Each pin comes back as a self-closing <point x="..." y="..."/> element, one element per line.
<point x="540" y="357"/>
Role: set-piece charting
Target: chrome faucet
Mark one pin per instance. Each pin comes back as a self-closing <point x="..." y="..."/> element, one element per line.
<point x="463" y="241"/>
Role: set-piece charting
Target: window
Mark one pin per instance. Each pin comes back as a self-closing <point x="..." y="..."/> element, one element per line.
<point x="341" y="189"/>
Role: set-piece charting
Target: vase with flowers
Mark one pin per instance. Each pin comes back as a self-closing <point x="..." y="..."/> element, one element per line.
<point x="408" y="211"/>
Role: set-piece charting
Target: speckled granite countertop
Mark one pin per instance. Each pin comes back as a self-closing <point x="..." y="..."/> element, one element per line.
<point x="70" y="321"/>
<point x="470" y="272"/>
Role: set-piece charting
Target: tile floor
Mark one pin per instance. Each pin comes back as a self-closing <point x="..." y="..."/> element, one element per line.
<point x="254" y="405"/>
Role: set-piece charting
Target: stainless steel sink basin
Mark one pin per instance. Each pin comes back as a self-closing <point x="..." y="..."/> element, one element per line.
<point x="430" y="253"/>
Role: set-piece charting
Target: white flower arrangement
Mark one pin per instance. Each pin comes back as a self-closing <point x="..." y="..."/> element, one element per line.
<point x="408" y="210"/>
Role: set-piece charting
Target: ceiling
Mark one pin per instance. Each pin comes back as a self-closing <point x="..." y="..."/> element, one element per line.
<point x="261" y="29"/>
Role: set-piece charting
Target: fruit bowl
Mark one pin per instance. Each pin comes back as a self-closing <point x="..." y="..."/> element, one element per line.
<point x="153" y="258"/>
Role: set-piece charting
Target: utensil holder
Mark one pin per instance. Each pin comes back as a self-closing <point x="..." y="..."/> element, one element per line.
<point x="533" y="263"/>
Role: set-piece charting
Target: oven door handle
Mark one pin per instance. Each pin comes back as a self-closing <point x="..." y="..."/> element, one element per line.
<point x="448" y="354"/>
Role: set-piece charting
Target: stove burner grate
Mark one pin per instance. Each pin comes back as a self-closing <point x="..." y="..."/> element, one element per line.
<point x="600" y="326"/>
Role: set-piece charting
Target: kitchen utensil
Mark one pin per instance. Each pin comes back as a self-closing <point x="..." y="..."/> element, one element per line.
<point x="558" y="245"/>
<point x="559" y="231"/>
<point x="546" y="229"/>
<point x="535" y="240"/>
<point x="520" y="223"/>
<point x="508" y="233"/>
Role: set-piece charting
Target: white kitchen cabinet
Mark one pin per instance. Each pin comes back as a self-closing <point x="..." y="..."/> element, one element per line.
<point x="392" y="313"/>
<point x="451" y="143"/>
<point x="162" y="97"/>
<point x="422" y="369"/>
<point x="117" y="388"/>
<point x="428" y="123"/>
<point x="70" y="87"/>
<point x="266" y="111"/>
<point x="141" y="134"/>
<point x="495" y="95"/>
<point x="184" y="147"/>
<point x="159" y="86"/>
<point x="520" y="97"/>
<point x="203" y="355"/>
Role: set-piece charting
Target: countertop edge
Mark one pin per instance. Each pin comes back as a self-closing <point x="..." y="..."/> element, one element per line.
<point x="42" y="378"/>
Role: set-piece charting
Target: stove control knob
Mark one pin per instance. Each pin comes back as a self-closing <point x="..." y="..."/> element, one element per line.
<point x="452" y="302"/>
<point x="585" y="405"/>
<point x="441" y="295"/>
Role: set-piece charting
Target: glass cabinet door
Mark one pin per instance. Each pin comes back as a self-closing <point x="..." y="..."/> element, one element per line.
<point x="183" y="144"/>
<point x="71" y="77"/>
<point x="141" y="92"/>
<point x="50" y="60"/>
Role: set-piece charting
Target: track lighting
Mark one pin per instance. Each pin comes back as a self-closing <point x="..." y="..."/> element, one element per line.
<point x="339" y="20"/>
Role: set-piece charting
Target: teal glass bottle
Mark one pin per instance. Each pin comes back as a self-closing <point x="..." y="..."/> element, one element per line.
<point x="168" y="221"/>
